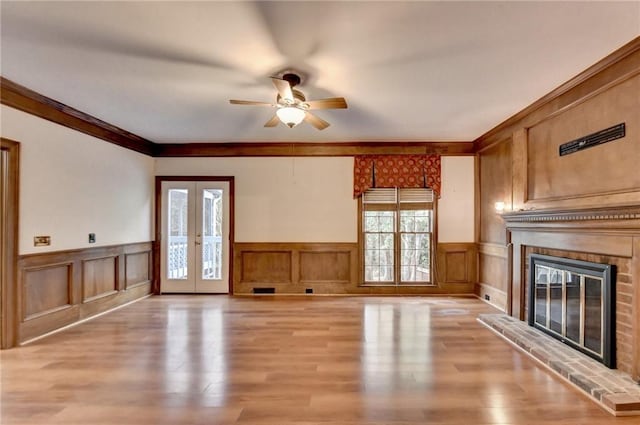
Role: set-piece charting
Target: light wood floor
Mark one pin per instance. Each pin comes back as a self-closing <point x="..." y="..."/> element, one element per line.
<point x="265" y="360"/>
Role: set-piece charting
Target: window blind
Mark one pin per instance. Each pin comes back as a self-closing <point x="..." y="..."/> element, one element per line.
<point x="393" y="195"/>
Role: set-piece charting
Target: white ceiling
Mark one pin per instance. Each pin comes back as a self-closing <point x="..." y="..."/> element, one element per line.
<point x="419" y="71"/>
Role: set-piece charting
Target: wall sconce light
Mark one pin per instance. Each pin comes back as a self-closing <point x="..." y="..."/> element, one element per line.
<point x="499" y="207"/>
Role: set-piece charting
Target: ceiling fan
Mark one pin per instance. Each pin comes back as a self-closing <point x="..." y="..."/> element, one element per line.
<point x="292" y="106"/>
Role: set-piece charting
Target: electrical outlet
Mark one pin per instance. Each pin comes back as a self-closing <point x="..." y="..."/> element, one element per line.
<point x="487" y="297"/>
<point x="41" y="240"/>
<point x="92" y="238"/>
<point x="308" y="291"/>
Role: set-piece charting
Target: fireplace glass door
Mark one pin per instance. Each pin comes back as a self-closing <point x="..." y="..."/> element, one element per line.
<point x="574" y="303"/>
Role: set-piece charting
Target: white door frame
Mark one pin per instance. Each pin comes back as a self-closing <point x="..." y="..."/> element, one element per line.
<point x="157" y="261"/>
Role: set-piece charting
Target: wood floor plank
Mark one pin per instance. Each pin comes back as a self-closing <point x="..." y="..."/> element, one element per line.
<point x="286" y="360"/>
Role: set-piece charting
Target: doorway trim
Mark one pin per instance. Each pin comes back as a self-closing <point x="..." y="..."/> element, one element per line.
<point x="158" y="223"/>
<point x="9" y="244"/>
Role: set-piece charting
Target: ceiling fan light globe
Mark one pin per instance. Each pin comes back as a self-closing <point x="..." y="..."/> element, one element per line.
<point x="291" y="116"/>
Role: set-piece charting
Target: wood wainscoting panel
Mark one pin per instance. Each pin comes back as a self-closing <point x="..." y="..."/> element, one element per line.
<point x="294" y="268"/>
<point x="266" y="267"/>
<point x="46" y="290"/>
<point x="62" y="287"/>
<point x="329" y="266"/>
<point x="99" y="278"/>
<point x="333" y="268"/>
<point x="137" y="269"/>
<point x="457" y="264"/>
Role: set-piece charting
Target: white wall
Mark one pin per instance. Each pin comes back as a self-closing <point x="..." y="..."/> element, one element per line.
<point x="283" y="199"/>
<point x="310" y="199"/>
<point x="456" y="206"/>
<point x="72" y="184"/>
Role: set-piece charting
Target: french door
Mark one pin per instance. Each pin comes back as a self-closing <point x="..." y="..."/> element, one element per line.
<point x="195" y="237"/>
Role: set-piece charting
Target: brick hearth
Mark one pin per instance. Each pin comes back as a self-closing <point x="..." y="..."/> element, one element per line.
<point x="612" y="389"/>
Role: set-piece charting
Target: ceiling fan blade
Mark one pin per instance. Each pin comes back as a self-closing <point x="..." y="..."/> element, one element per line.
<point x="331" y="103"/>
<point x="272" y="122"/>
<point x="284" y="89"/>
<point x="250" y="102"/>
<point x="315" y="121"/>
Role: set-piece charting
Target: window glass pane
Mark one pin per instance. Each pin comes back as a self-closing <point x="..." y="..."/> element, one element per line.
<point x="386" y="221"/>
<point x="372" y="257"/>
<point x="386" y="274"/>
<point x="423" y="241"/>
<point x="211" y="234"/>
<point x="422" y="220"/>
<point x="386" y="240"/>
<point x="371" y="221"/>
<point x="177" y="243"/>
<point x="386" y="257"/>
<point x="407" y="221"/>
<point x="414" y="257"/>
<point x="372" y="241"/>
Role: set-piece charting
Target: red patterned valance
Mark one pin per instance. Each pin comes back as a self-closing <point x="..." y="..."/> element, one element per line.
<point x="396" y="171"/>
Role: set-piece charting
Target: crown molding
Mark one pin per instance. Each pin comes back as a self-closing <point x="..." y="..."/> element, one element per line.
<point x="487" y="139"/>
<point x="240" y="149"/>
<point x="27" y="100"/>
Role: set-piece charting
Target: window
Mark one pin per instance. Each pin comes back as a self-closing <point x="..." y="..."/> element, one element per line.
<point x="396" y="235"/>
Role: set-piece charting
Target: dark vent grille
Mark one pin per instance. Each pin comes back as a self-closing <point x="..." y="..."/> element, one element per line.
<point x="595" y="139"/>
<point x="264" y="290"/>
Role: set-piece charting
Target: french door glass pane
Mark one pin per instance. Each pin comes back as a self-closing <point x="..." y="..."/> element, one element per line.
<point x="211" y="234"/>
<point x="177" y="243"/>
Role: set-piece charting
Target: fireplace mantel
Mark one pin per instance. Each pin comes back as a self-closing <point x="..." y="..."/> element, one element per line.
<point x="608" y="231"/>
<point x="628" y="214"/>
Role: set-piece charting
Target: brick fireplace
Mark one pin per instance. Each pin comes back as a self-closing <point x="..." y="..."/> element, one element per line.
<point x="597" y="235"/>
<point x="574" y="302"/>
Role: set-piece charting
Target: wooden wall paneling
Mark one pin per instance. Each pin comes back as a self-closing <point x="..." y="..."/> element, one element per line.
<point x="102" y="304"/>
<point x="325" y="266"/>
<point x="456" y="263"/>
<point x="635" y="335"/>
<point x="519" y="161"/>
<point x="266" y="266"/>
<point x="605" y="170"/>
<point x="137" y="266"/>
<point x="9" y="205"/>
<point x="62" y="287"/>
<point x="100" y="277"/>
<point x="46" y="289"/>
<point x="496" y="166"/>
<point x="333" y="268"/>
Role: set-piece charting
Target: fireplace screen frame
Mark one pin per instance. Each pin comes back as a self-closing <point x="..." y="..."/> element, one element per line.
<point x="603" y="272"/>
